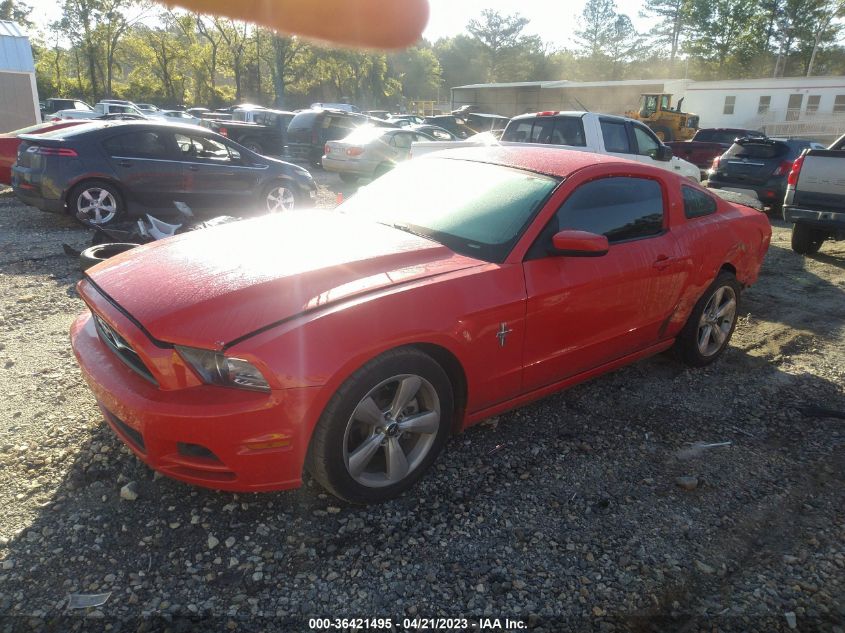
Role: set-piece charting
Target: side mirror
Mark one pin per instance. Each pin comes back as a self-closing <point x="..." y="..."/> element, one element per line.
<point x="579" y="244"/>
<point x="664" y="153"/>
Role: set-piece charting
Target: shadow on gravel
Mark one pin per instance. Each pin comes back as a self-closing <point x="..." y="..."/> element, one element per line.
<point x="789" y="293"/>
<point x="566" y="510"/>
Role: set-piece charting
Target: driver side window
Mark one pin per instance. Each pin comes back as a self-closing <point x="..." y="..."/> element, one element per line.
<point x="196" y="147"/>
<point x="621" y="208"/>
<point x="647" y="145"/>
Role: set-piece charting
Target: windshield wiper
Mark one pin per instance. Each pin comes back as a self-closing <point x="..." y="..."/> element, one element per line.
<point x="407" y="229"/>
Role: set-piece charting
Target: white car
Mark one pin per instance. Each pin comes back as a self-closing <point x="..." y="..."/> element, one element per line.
<point x="582" y="131"/>
<point x="178" y="116"/>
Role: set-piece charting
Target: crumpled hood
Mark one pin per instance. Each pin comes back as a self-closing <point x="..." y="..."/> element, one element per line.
<point x="209" y="287"/>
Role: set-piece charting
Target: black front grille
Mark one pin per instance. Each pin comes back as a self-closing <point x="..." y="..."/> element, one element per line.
<point x="122" y="349"/>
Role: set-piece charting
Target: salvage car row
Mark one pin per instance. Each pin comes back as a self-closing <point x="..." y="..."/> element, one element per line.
<point x="353" y="342"/>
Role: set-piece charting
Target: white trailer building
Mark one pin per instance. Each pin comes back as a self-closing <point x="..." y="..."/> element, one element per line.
<point x="812" y="107"/>
<point x="18" y="92"/>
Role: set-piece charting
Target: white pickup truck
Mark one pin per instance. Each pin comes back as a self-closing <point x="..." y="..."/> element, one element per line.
<point x="815" y="197"/>
<point x="100" y="109"/>
<point x="582" y="131"/>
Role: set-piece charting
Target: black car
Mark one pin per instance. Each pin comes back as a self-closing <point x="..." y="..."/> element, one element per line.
<point x="758" y="167"/>
<point x="108" y="170"/>
<point x="309" y="131"/>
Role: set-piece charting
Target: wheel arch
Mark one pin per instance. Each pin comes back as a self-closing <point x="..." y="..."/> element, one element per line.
<point x="101" y="178"/>
<point x="457" y="376"/>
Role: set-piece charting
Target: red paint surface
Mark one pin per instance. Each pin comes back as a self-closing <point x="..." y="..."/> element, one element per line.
<point x="331" y="293"/>
<point x="9" y="143"/>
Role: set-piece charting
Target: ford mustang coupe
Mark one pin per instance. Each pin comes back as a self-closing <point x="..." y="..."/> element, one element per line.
<point x="353" y="342"/>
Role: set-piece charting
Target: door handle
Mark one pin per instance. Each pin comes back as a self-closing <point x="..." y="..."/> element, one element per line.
<point x="125" y="163"/>
<point x="663" y="261"/>
<point x="193" y="168"/>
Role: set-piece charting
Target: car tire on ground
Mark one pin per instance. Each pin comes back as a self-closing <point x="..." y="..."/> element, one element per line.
<point x="280" y="197"/>
<point x="254" y="146"/>
<point x="350" y="178"/>
<point x="383" y="428"/>
<point x="97" y="202"/>
<point x="101" y="252"/>
<point x="381" y="170"/>
<point x="663" y="133"/>
<point x="806" y="240"/>
<point x="710" y="325"/>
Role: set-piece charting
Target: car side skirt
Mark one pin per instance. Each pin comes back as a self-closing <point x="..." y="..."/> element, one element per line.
<point x="542" y="392"/>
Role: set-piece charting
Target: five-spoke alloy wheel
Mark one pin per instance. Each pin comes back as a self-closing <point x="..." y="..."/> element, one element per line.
<point x="717" y="320"/>
<point x="711" y="323"/>
<point x="383" y="428"/>
<point x="96" y="202"/>
<point x="391" y="430"/>
<point x="280" y="198"/>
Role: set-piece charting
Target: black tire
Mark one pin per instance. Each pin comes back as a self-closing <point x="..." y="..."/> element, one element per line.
<point x="687" y="344"/>
<point x="664" y="133"/>
<point x="93" y="255"/>
<point x="253" y="145"/>
<point x="350" y="178"/>
<point x="76" y="201"/>
<point x="806" y="240"/>
<point x="381" y="170"/>
<point x="328" y="452"/>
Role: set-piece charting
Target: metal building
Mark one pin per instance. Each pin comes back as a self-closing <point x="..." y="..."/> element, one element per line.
<point x="812" y="107"/>
<point x="18" y="92"/>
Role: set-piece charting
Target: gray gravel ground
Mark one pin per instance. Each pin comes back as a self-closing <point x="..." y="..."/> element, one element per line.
<point x="569" y="513"/>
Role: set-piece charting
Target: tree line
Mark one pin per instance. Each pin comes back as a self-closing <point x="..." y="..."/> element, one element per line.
<point x="132" y="49"/>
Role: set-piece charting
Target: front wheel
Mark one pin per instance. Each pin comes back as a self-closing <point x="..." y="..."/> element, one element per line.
<point x="279" y="198"/>
<point x="806" y="240"/>
<point x="383" y="428"/>
<point x="711" y="323"/>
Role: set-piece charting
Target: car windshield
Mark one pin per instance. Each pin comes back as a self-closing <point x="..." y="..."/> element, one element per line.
<point x="476" y="209"/>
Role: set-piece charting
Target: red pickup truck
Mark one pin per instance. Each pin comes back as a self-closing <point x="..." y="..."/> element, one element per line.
<point x="707" y="144"/>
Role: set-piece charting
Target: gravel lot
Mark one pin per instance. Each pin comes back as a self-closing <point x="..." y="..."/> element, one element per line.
<point x="567" y="513"/>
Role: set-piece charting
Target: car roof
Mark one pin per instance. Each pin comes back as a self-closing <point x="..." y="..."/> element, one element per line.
<point x="544" y="160"/>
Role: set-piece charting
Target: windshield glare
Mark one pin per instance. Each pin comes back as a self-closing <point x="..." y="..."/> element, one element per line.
<point x="476" y="209"/>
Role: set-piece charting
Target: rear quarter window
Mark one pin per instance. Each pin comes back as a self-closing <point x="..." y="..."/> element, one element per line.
<point x="697" y="204"/>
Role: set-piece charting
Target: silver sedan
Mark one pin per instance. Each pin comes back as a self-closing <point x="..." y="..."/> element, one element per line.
<point x="369" y="152"/>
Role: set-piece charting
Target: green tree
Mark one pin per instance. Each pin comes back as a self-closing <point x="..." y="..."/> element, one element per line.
<point x="499" y="35"/>
<point x="725" y="37"/>
<point x="419" y="72"/>
<point x="674" y="17"/>
<point x="17" y="12"/>
<point x="458" y="57"/>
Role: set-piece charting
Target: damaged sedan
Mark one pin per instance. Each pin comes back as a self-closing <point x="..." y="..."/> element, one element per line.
<point x="354" y="342"/>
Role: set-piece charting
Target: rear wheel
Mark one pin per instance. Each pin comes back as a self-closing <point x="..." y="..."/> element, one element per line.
<point x="711" y="323"/>
<point x="383" y="428"/>
<point x="806" y="240"/>
<point x="96" y="202"/>
<point x="254" y="146"/>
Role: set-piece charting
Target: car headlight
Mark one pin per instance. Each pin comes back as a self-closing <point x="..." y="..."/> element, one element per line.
<point x="215" y="368"/>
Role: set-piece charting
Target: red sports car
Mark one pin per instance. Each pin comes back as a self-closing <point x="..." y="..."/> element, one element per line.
<point x="9" y="143"/>
<point x="354" y="342"/>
